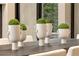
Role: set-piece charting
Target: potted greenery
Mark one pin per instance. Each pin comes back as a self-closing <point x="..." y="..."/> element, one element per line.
<point x="23" y="29"/>
<point x="48" y="30"/>
<point x="14" y="33"/>
<point x="41" y="30"/>
<point x="64" y="31"/>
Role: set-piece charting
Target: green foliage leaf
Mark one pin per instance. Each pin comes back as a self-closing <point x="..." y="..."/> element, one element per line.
<point x="41" y="21"/>
<point x="48" y="21"/>
<point x="14" y="22"/>
<point x="23" y="27"/>
<point x="63" y="26"/>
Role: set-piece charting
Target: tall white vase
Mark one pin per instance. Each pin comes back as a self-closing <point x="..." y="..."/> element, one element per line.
<point x="63" y="33"/>
<point x="48" y="32"/>
<point x="41" y="33"/>
<point x="22" y="38"/>
<point x="14" y="35"/>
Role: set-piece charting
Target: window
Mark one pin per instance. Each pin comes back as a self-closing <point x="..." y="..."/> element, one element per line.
<point x="50" y="11"/>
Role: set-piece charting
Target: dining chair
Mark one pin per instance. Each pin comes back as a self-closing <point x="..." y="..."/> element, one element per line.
<point x="73" y="51"/>
<point x="59" y="52"/>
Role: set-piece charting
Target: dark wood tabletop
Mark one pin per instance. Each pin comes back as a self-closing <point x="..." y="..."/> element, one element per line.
<point x="33" y="48"/>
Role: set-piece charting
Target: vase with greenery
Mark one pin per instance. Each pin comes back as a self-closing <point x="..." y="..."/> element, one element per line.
<point x="14" y="32"/>
<point x="63" y="31"/>
<point x="23" y="29"/>
<point x="49" y="28"/>
<point x="41" y="30"/>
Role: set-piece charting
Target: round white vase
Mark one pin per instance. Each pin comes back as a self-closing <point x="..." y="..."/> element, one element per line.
<point x="63" y="33"/>
<point x="22" y="38"/>
<point x="48" y="32"/>
<point x="41" y="33"/>
<point x="14" y="35"/>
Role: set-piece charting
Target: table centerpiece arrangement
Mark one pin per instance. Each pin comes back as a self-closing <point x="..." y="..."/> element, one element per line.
<point x="41" y="31"/>
<point x="64" y="32"/>
<point x="14" y="33"/>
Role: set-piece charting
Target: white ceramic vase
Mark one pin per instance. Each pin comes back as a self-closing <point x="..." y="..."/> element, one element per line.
<point x="63" y="33"/>
<point x="14" y="35"/>
<point x="22" y="38"/>
<point x="48" y="32"/>
<point x="41" y="33"/>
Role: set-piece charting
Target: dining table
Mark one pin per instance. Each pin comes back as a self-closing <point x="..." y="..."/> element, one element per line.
<point x="30" y="48"/>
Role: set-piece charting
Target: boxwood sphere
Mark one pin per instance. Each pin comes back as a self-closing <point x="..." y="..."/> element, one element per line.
<point x="63" y="26"/>
<point x="41" y="21"/>
<point x="14" y="22"/>
<point x="23" y="27"/>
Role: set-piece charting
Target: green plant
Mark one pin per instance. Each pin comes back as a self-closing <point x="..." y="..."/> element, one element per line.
<point x="13" y="22"/>
<point x="41" y="21"/>
<point x="48" y="21"/>
<point x="51" y="12"/>
<point x="63" y="26"/>
<point x="23" y="27"/>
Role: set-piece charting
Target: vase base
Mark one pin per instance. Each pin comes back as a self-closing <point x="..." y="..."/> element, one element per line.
<point x="41" y="42"/>
<point x="46" y="40"/>
<point x="20" y="44"/>
<point x="14" y="46"/>
<point x="63" y="41"/>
